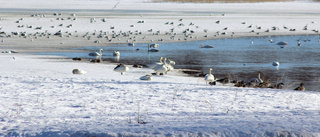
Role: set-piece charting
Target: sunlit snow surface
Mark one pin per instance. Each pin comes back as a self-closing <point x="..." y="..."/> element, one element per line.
<point x="41" y="97"/>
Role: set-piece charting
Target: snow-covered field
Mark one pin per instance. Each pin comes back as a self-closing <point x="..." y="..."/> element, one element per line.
<point x="41" y="96"/>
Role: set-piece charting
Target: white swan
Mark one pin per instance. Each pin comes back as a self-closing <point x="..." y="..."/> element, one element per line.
<point x="96" y="53"/>
<point x="169" y="65"/>
<point x="146" y="77"/>
<point x="156" y="63"/>
<point x="161" y="68"/>
<point x="255" y="81"/>
<point x="121" y="68"/>
<point x="206" y="46"/>
<point x="116" y="53"/>
<point x="209" y="77"/>
<point x="78" y="71"/>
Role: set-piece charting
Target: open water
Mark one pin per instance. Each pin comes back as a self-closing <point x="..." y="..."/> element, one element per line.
<point x="242" y="57"/>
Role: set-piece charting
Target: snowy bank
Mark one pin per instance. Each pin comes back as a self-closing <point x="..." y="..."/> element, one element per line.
<point x="42" y="97"/>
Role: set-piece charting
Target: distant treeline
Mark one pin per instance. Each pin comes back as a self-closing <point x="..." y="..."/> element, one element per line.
<point x="224" y="1"/>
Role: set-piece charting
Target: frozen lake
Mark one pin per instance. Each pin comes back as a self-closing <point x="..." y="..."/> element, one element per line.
<point x="243" y="57"/>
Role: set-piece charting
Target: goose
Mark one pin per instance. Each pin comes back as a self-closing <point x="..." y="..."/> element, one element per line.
<point x="301" y="87"/>
<point x="96" y="53"/>
<point x="209" y="77"/>
<point x="255" y="81"/>
<point x="146" y="77"/>
<point x="121" y="68"/>
<point x="206" y="46"/>
<point x="78" y="71"/>
<point x="116" y="53"/>
<point x="156" y="63"/>
<point x="161" y="68"/>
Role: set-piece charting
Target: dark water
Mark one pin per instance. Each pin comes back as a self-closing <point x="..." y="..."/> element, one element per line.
<point x="243" y="58"/>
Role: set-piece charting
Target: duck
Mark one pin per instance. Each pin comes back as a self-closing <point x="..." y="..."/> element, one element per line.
<point x="275" y="63"/>
<point x="282" y="44"/>
<point x="206" y="46"/>
<point x="301" y="87"/>
<point x="78" y="71"/>
<point x="277" y="86"/>
<point x="209" y="77"/>
<point x="121" y="68"/>
<point x="96" y="53"/>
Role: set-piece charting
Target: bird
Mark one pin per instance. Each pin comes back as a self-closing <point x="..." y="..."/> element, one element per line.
<point x="209" y="77"/>
<point x="116" y="53"/>
<point x="96" y="53"/>
<point x="146" y="77"/>
<point x="277" y="86"/>
<point x="161" y="68"/>
<point x="255" y="81"/>
<point x="121" y="68"/>
<point x="156" y="63"/>
<point x="282" y="44"/>
<point x="115" y="6"/>
<point x="78" y="71"/>
<point x="275" y="63"/>
<point x="206" y="46"/>
<point x="301" y="87"/>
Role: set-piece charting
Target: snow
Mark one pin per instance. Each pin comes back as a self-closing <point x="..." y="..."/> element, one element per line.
<point x="41" y="96"/>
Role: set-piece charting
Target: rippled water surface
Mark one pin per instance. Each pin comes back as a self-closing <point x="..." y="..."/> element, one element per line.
<point x="243" y="58"/>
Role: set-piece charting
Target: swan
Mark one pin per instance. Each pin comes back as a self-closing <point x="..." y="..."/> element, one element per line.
<point x="169" y="65"/>
<point x="209" y="77"/>
<point x="116" y="53"/>
<point x="206" y="46"/>
<point x="78" y="71"/>
<point x="161" y="68"/>
<point x="146" y="77"/>
<point x="275" y="63"/>
<point x="256" y="81"/>
<point x="121" y="68"/>
<point x="301" y="87"/>
<point x="156" y="63"/>
<point x="96" y="53"/>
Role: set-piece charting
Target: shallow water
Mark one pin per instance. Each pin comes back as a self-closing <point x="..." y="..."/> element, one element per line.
<point x="243" y="58"/>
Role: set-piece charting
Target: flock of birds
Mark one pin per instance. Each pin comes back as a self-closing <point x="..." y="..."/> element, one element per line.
<point x="165" y="65"/>
<point x="180" y="30"/>
<point x="253" y="82"/>
<point x="178" y="27"/>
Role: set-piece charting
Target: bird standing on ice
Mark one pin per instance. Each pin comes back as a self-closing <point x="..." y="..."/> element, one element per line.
<point x="121" y="68"/>
<point x="161" y="68"/>
<point x="209" y="77"/>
